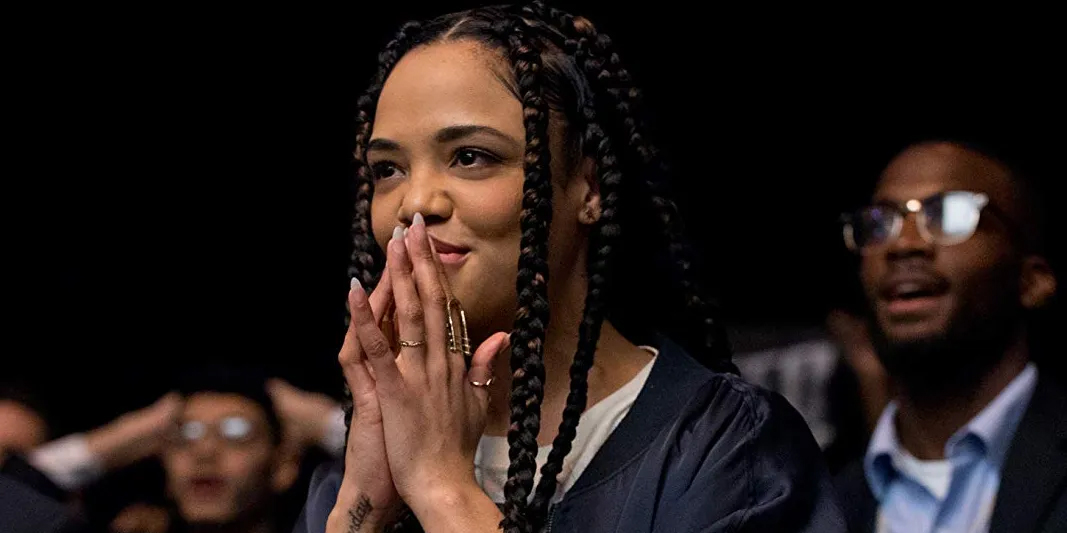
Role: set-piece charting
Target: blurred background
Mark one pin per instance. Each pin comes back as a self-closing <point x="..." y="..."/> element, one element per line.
<point x="177" y="186"/>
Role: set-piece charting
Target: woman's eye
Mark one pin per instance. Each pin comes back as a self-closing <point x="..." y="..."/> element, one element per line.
<point x="467" y="157"/>
<point x="383" y="171"/>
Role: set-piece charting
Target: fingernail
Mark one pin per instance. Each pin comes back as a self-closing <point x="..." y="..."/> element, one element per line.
<point x="398" y="233"/>
<point x="355" y="283"/>
<point x="417" y="220"/>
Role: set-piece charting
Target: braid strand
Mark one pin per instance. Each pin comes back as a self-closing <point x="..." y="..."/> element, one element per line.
<point x="531" y="321"/>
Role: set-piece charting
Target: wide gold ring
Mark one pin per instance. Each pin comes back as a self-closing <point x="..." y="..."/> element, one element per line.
<point x="411" y="344"/>
<point x="486" y="383"/>
<point x="459" y="340"/>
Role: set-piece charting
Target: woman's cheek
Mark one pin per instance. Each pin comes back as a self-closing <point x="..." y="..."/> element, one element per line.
<point x="383" y="219"/>
<point x="492" y="212"/>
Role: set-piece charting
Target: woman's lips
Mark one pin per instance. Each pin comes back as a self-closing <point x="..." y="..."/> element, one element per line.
<point x="448" y="253"/>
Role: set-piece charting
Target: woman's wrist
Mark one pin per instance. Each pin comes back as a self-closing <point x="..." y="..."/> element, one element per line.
<point x="355" y="511"/>
<point x="463" y="506"/>
<point x="351" y="519"/>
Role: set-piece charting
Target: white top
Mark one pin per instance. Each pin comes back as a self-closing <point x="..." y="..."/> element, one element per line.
<point x="68" y="462"/>
<point x="491" y="460"/>
<point x="934" y="476"/>
<point x="334" y="439"/>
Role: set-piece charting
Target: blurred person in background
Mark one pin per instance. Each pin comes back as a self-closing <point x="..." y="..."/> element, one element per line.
<point x="234" y="452"/>
<point x="23" y="421"/>
<point x="851" y="333"/>
<point x="224" y="460"/>
<point x="63" y="466"/>
<point x="29" y="502"/>
<point x="954" y="266"/>
<point x="59" y="469"/>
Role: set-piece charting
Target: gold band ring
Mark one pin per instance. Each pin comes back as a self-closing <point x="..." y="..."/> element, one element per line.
<point x="411" y="344"/>
<point x="486" y="383"/>
<point x="459" y="340"/>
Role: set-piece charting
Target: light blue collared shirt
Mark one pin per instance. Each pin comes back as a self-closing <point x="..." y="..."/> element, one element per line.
<point x="974" y="454"/>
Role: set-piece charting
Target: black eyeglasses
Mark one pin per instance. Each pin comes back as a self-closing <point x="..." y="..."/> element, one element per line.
<point x="945" y="219"/>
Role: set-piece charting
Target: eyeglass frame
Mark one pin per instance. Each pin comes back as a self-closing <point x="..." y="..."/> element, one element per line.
<point x="177" y="437"/>
<point x="915" y="206"/>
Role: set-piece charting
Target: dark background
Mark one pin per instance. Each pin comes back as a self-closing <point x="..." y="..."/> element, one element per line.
<point x="177" y="186"/>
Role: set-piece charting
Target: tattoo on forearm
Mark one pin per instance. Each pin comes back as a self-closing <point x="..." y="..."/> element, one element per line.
<point x="358" y="515"/>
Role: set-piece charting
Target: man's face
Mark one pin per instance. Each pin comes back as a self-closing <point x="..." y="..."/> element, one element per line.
<point x="944" y="314"/>
<point x="918" y="290"/>
<point x="219" y="463"/>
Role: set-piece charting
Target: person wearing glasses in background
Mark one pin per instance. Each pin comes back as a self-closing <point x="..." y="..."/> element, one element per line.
<point x="229" y="439"/>
<point x="224" y="461"/>
<point x="953" y="264"/>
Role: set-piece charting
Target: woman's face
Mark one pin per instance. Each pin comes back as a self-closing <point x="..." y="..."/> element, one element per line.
<point x="448" y="141"/>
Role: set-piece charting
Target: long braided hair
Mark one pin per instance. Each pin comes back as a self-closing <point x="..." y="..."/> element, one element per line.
<point x="561" y="64"/>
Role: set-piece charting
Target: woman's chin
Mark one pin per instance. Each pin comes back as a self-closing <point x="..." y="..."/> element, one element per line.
<point x="484" y="320"/>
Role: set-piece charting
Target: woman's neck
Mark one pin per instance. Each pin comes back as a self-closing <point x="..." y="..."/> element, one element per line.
<point x="617" y="361"/>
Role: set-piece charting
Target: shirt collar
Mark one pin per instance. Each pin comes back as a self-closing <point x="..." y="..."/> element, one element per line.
<point x="878" y="462"/>
<point x="993" y="427"/>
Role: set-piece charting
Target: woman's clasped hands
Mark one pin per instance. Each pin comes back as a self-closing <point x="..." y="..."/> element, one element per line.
<point x="418" y="410"/>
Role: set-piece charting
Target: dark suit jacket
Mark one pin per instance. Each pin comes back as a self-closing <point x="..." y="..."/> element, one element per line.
<point x="1032" y="496"/>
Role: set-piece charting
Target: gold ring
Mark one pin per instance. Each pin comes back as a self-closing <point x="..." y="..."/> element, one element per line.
<point x="458" y="341"/>
<point x="411" y="344"/>
<point x="486" y="383"/>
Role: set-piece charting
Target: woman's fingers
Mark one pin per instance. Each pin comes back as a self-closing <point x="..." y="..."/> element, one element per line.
<point x="387" y="316"/>
<point x="351" y="354"/>
<point x="410" y="315"/>
<point x="434" y="297"/>
<point x="382" y="297"/>
<point x="372" y="342"/>
<point x="380" y="302"/>
<point x="480" y="374"/>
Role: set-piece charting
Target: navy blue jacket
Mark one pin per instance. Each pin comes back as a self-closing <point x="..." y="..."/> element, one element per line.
<point x="699" y="451"/>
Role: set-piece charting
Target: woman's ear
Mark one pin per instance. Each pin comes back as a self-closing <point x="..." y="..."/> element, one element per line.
<point x="590" y="212"/>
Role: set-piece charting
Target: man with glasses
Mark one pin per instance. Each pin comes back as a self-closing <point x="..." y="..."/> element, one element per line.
<point x="224" y="460"/>
<point x="952" y="263"/>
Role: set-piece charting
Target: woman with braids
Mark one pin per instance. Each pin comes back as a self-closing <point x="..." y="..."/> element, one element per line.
<point x="501" y="163"/>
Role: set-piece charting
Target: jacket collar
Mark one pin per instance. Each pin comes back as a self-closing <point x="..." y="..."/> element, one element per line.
<point x="674" y="379"/>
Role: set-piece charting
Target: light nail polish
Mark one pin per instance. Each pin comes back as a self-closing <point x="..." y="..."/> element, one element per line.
<point x="398" y="233"/>
<point x="355" y="283"/>
<point x="417" y="220"/>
